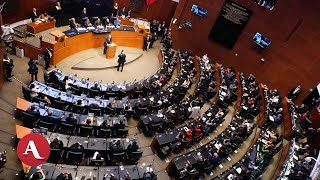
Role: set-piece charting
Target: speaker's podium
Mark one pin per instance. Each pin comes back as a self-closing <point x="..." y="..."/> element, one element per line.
<point x="111" y="50"/>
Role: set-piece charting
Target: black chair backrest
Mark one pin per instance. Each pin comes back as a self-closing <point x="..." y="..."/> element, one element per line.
<point x="136" y="155"/>
<point x="26" y="93"/>
<point x="96" y="111"/>
<point x="104" y="133"/>
<point x="122" y="132"/>
<point x="45" y="124"/>
<point x="118" y="156"/>
<point x="86" y="131"/>
<point x="74" y="155"/>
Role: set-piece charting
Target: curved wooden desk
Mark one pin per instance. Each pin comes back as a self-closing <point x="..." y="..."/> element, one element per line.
<point x="80" y="42"/>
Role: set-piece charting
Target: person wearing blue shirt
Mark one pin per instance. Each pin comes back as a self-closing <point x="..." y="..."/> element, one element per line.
<point x="117" y="22"/>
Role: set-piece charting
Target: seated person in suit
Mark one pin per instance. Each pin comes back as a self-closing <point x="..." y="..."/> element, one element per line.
<point x="33" y="110"/>
<point x="119" y="125"/>
<point x="108" y="23"/>
<point x="76" y="147"/>
<point x="34" y="90"/>
<point x="97" y="23"/>
<point x="64" y="176"/>
<point x="80" y="102"/>
<point x="53" y="78"/>
<point x="87" y="23"/>
<point x="87" y="122"/>
<point x="56" y="144"/>
<point x="70" y="119"/>
<point x="132" y="147"/>
<point x="94" y="104"/>
<point x="73" y="24"/>
<point x="116" y="147"/>
<point x="39" y="175"/>
<point x="214" y="159"/>
<point x="95" y="87"/>
<point x="49" y="118"/>
<point x="105" y="125"/>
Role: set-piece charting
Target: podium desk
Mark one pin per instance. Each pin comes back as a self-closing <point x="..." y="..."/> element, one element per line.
<point x="111" y="50"/>
<point x="35" y="27"/>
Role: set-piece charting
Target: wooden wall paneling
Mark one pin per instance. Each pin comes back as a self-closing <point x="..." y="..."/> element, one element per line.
<point x="287" y="62"/>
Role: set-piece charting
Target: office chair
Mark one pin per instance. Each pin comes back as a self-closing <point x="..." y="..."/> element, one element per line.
<point x="75" y="91"/>
<point x="67" y="128"/>
<point x="121" y="133"/>
<point x="28" y="119"/>
<point x="93" y="93"/>
<point x="59" y="104"/>
<point x="95" y="111"/>
<point x="62" y="85"/>
<point x="109" y="111"/>
<point x="85" y="131"/>
<point x="116" y="157"/>
<point x="55" y="155"/>
<point x="134" y="157"/>
<point x="104" y="133"/>
<point x="77" y="109"/>
<point x="26" y="93"/>
<point x="48" y="125"/>
<point x="192" y="175"/>
<point x="74" y="158"/>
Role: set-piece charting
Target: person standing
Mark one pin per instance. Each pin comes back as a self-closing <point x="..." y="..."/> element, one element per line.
<point x="33" y="69"/>
<point x="47" y="58"/>
<point x="107" y="41"/>
<point x="59" y="14"/>
<point x="146" y="44"/>
<point x="8" y="66"/>
<point x="121" y="60"/>
<point x="34" y="15"/>
<point x="83" y="14"/>
<point x="115" y="10"/>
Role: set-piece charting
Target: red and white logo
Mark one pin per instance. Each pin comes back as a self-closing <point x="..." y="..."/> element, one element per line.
<point x="33" y="149"/>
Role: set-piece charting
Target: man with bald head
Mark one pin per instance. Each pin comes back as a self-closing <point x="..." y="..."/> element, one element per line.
<point x="34" y="15"/>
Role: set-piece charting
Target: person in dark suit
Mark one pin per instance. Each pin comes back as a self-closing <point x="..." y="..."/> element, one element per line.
<point x="8" y="65"/>
<point x="33" y="110"/>
<point x="49" y="118"/>
<point x="47" y="58"/>
<point x="33" y="69"/>
<point x="83" y="13"/>
<point x="123" y="12"/>
<point x="117" y="147"/>
<point x="97" y="23"/>
<point x="146" y="44"/>
<point x="56" y="144"/>
<point x="107" y="41"/>
<point x="121" y="60"/>
<point x="64" y="176"/>
<point x="132" y="147"/>
<point x="153" y="39"/>
<point x="76" y="147"/>
<point x="34" y="15"/>
<point x="73" y="23"/>
<point x="115" y="10"/>
<point x="70" y="119"/>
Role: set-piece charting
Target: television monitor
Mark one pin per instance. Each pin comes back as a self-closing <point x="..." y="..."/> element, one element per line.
<point x="198" y="10"/>
<point x="261" y="41"/>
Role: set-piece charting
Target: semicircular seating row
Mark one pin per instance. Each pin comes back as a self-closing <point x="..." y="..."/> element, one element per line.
<point x="95" y="140"/>
<point x="192" y="164"/>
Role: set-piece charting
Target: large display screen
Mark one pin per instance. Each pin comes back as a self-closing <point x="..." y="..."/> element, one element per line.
<point x="261" y="41"/>
<point x="231" y="21"/>
<point x="198" y="10"/>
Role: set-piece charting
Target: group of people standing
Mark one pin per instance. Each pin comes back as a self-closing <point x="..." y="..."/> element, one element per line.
<point x="157" y="30"/>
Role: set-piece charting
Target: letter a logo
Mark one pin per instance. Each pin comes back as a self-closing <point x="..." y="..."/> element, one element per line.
<point x="33" y="150"/>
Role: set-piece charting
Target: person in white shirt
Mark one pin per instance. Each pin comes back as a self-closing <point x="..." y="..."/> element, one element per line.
<point x="34" y="90"/>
